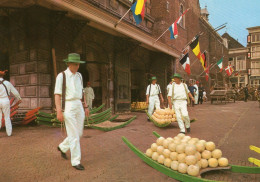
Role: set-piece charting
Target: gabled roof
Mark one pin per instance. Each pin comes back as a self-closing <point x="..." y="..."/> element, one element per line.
<point x="232" y="43"/>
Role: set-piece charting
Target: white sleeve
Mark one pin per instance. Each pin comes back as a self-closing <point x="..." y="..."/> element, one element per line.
<point x="93" y="94"/>
<point x="148" y="89"/>
<point x="15" y="92"/>
<point x="58" y="84"/>
<point x="170" y="91"/>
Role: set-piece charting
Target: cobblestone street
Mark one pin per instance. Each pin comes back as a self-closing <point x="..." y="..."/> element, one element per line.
<point x="31" y="153"/>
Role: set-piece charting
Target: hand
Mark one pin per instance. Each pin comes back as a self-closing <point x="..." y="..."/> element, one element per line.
<point x="193" y="99"/>
<point x="86" y="112"/>
<point x="60" y="116"/>
<point x="147" y="102"/>
<point x="162" y="100"/>
<point x="170" y="106"/>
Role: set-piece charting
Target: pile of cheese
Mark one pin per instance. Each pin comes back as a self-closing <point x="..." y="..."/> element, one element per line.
<point x="186" y="155"/>
<point x="139" y="105"/>
<point x="163" y="116"/>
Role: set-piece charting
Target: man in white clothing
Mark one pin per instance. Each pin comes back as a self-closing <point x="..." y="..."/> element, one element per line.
<point x="152" y="96"/>
<point x="5" y="89"/>
<point x="177" y="98"/>
<point x="169" y="86"/>
<point x="70" y="108"/>
<point x="89" y="95"/>
<point x="196" y="94"/>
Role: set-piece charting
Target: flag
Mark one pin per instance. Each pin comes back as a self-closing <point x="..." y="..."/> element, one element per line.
<point x="220" y="64"/>
<point x="138" y="10"/>
<point x="195" y="46"/>
<point x="173" y="28"/>
<point x="204" y="58"/>
<point x="229" y="70"/>
<point x="185" y="62"/>
<point x="207" y="74"/>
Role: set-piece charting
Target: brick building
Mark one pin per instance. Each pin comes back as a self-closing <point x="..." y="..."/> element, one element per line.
<point x="237" y="58"/>
<point x="119" y="60"/>
<point x="253" y="46"/>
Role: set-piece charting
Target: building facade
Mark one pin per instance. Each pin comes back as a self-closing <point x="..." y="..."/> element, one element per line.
<point x="37" y="35"/>
<point x="253" y="46"/>
<point x="237" y="58"/>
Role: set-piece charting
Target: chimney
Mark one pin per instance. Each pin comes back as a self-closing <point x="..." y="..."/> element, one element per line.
<point x="204" y="13"/>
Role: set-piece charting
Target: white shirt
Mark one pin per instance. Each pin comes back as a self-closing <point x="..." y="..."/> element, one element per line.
<point x="204" y="94"/>
<point x="155" y="90"/>
<point x="89" y="93"/>
<point x="179" y="91"/>
<point x="169" y="88"/>
<point x="197" y="88"/>
<point x="10" y="89"/>
<point x="74" y="85"/>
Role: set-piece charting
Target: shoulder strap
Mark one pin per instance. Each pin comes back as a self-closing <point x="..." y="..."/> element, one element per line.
<point x="2" y="82"/>
<point x="173" y="84"/>
<point x="188" y="99"/>
<point x="63" y="91"/>
<point x="82" y="99"/>
<point x="159" y="88"/>
<point x="150" y="90"/>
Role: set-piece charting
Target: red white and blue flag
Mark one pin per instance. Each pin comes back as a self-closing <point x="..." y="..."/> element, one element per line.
<point x="173" y="28"/>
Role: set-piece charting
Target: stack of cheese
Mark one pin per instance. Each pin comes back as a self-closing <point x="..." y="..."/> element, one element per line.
<point x="163" y="116"/>
<point x="139" y="105"/>
<point x="185" y="154"/>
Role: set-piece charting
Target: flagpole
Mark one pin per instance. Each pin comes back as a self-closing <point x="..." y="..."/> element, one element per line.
<point x="122" y="17"/>
<point x="205" y="69"/>
<point x="171" y="24"/>
<point x="160" y="36"/>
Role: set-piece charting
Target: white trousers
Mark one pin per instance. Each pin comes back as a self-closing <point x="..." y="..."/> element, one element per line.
<point x="153" y="102"/>
<point x="5" y="109"/>
<point x="89" y="103"/>
<point x="196" y="97"/>
<point x="74" y="120"/>
<point x="182" y="115"/>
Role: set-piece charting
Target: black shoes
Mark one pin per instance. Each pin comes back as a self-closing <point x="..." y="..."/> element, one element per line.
<point x="188" y="130"/>
<point x="79" y="167"/>
<point x="63" y="155"/>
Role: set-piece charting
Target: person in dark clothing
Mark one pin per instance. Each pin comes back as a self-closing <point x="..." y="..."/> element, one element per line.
<point x="246" y="92"/>
<point x="192" y="90"/>
<point x="201" y="90"/>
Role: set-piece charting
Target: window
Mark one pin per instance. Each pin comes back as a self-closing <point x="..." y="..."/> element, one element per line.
<point x="256" y="37"/>
<point x="255" y="64"/>
<point x="241" y="81"/>
<point x="167" y="6"/>
<point x="180" y="13"/>
<point x="240" y="63"/>
<point x="231" y="61"/>
<point x="255" y="68"/>
<point x="255" y="51"/>
<point x="148" y="7"/>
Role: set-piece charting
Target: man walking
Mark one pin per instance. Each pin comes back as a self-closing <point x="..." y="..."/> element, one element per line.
<point x="177" y="97"/>
<point x="169" y="86"/>
<point x="196" y="93"/>
<point x="152" y="96"/>
<point x="5" y="89"/>
<point x="68" y="95"/>
<point x="89" y="95"/>
<point x="201" y="90"/>
<point x="192" y="90"/>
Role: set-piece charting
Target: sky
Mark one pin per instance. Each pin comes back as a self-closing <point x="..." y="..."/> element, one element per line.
<point x="238" y="14"/>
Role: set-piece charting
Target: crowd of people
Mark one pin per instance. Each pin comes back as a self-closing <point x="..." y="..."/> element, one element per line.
<point x="247" y="92"/>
